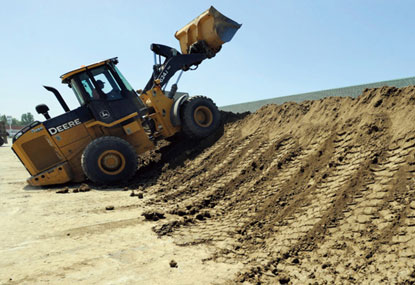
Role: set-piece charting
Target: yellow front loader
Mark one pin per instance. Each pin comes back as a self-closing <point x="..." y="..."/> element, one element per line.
<point x="101" y="139"/>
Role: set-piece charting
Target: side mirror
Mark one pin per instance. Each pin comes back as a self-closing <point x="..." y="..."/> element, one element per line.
<point x="43" y="109"/>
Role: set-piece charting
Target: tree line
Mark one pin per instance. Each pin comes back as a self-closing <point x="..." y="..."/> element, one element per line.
<point x="25" y="119"/>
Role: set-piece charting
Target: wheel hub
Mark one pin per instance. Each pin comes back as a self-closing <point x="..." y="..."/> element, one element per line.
<point x="203" y="116"/>
<point x="111" y="162"/>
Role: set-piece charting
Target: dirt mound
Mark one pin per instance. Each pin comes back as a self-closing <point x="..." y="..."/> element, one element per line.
<point x="320" y="191"/>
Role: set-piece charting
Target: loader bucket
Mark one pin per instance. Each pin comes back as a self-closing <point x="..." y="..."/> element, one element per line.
<point x="211" y="27"/>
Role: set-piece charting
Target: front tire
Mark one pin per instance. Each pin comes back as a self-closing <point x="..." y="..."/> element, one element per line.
<point x="1" y="141"/>
<point x="200" y="117"/>
<point x="108" y="160"/>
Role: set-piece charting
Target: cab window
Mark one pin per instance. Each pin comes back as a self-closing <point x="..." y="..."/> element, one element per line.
<point x="96" y="84"/>
<point x="77" y="91"/>
<point x="105" y="82"/>
<point x="88" y="86"/>
<point x="123" y="79"/>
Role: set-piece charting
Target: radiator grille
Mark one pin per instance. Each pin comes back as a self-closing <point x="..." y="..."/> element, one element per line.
<point x="40" y="153"/>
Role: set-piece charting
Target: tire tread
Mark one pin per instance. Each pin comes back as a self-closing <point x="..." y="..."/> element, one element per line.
<point x="88" y="167"/>
<point x="188" y="129"/>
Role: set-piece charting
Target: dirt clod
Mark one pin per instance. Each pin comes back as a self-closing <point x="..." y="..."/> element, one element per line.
<point x="84" y="188"/>
<point x="63" y="191"/>
<point x="153" y="215"/>
<point x="173" y="264"/>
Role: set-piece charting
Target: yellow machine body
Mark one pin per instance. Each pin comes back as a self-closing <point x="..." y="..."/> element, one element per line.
<point x="57" y="159"/>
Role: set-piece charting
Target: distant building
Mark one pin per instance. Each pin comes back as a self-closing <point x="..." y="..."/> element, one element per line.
<point x="351" y="91"/>
<point x="13" y="130"/>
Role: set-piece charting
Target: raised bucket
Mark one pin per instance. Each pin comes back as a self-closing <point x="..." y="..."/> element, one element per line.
<point x="211" y="27"/>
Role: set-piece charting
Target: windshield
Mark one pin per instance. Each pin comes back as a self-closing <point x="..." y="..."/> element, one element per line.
<point x="123" y="79"/>
<point x="101" y="86"/>
<point x="77" y="91"/>
<point x="105" y="82"/>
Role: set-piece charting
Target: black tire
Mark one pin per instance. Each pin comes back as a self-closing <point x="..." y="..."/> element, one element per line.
<point x="200" y="117"/>
<point x="1" y="141"/>
<point x="108" y="160"/>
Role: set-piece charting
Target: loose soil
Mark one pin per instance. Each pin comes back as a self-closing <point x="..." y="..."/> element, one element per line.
<point x="320" y="192"/>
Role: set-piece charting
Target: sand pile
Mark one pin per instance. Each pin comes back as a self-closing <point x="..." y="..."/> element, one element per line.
<point x="299" y="193"/>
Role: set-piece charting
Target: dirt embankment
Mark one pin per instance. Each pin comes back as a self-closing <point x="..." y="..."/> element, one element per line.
<point x="321" y="191"/>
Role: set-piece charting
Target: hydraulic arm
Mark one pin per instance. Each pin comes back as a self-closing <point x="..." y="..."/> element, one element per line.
<point x="173" y="62"/>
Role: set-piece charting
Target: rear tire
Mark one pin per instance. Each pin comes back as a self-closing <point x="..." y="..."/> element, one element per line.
<point x="200" y="117"/>
<point x="108" y="160"/>
<point x="1" y="141"/>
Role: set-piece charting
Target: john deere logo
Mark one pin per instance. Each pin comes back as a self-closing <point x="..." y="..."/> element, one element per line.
<point x="64" y="127"/>
<point x="104" y="114"/>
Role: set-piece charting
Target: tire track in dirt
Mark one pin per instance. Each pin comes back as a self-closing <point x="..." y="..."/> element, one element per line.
<point x="396" y="242"/>
<point x="197" y="166"/>
<point x="244" y="158"/>
<point x="368" y="220"/>
<point x="320" y="200"/>
<point x="220" y="170"/>
<point x="320" y="191"/>
<point x="213" y="229"/>
<point x="297" y="228"/>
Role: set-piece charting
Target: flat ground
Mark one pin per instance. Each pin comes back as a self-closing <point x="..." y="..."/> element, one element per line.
<point x="55" y="238"/>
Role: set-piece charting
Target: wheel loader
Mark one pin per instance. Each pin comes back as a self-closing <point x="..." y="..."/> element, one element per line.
<point x="102" y="139"/>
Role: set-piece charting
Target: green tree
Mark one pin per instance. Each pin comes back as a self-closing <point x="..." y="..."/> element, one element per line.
<point x="16" y="122"/>
<point x="3" y="118"/>
<point x="27" y="119"/>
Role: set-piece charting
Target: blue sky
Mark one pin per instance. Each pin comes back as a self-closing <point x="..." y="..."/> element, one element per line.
<point x="283" y="47"/>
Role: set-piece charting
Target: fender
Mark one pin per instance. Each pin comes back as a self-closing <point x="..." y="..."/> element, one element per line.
<point x="175" y="110"/>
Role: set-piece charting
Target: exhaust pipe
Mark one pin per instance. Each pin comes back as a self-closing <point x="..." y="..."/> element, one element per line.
<point x="59" y="97"/>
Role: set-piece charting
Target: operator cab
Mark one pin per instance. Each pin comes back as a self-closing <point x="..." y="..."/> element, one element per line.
<point x="104" y="91"/>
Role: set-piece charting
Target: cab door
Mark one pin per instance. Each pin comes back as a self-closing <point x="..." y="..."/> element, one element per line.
<point x="107" y="99"/>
